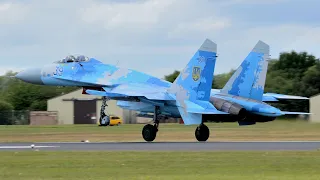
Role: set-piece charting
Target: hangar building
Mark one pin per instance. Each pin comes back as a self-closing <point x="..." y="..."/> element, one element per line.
<point x="315" y="108"/>
<point x="78" y="108"/>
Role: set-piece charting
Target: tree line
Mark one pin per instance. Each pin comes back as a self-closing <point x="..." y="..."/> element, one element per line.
<point x="18" y="95"/>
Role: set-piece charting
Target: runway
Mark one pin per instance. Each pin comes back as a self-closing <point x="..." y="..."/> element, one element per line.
<point x="163" y="146"/>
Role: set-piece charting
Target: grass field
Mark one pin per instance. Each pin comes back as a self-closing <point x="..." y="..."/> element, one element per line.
<point x="159" y="165"/>
<point x="276" y="130"/>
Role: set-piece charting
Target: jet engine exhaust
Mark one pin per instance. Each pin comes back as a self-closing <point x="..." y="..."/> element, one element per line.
<point x="228" y="107"/>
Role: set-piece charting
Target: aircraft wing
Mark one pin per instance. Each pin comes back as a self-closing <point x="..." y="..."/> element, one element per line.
<point x="149" y="91"/>
<point x="85" y="81"/>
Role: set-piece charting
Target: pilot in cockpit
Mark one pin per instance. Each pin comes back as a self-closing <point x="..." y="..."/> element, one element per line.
<point x="70" y="59"/>
<point x="82" y="58"/>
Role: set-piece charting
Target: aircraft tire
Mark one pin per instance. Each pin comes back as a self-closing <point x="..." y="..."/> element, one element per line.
<point x="202" y="133"/>
<point x="149" y="132"/>
<point x="104" y="120"/>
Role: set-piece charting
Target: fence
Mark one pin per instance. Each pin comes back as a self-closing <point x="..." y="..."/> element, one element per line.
<point x="15" y="117"/>
<point x="25" y="117"/>
<point x="43" y="118"/>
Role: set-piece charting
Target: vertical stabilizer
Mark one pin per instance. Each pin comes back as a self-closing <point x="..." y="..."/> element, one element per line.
<point x="192" y="87"/>
<point x="195" y="80"/>
<point x="248" y="81"/>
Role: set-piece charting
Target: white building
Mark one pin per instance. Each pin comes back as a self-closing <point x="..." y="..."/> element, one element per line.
<point x="315" y="108"/>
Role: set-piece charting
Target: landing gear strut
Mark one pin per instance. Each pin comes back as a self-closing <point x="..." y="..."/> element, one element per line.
<point x="104" y="119"/>
<point x="202" y="132"/>
<point x="149" y="132"/>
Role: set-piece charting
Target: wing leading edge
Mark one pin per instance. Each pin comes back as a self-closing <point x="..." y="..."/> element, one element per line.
<point x="151" y="92"/>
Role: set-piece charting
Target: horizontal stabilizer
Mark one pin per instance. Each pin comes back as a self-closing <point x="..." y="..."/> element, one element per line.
<point x="269" y="97"/>
<point x="295" y="113"/>
<point x="276" y="97"/>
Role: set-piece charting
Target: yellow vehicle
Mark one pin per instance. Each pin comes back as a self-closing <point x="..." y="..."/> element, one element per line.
<point x="114" y="121"/>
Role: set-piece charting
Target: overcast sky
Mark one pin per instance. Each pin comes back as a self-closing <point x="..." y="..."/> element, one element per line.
<point x="155" y="36"/>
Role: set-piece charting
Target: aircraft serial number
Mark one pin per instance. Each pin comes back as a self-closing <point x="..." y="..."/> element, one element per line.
<point x="58" y="71"/>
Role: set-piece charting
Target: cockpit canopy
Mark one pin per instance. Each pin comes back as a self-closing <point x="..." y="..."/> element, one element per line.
<point x="71" y="59"/>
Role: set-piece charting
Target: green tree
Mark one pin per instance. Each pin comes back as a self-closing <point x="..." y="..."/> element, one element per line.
<point x="172" y="77"/>
<point x="294" y="73"/>
<point x="220" y="80"/>
<point x="5" y="113"/>
<point x="5" y="106"/>
<point x="294" y="64"/>
<point x="25" y="96"/>
<point x="311" y="80"/>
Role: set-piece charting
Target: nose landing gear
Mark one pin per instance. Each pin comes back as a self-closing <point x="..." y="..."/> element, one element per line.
<point x="104" y="119"/>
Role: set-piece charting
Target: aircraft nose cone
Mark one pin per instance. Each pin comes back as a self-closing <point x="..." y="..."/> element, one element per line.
<point x="32" y="76"/>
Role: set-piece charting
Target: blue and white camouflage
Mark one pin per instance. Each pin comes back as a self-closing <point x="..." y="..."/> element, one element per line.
<point x="189" y="97"/>
<point x="249" y="79"/>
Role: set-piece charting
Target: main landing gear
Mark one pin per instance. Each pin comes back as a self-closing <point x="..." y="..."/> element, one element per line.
<point x="149" y="132"/>
<point x="104" y="119"/>
<point x="202" y="133"/>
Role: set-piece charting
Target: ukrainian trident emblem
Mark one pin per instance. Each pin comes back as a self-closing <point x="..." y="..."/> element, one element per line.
<point x="196" y="71"/>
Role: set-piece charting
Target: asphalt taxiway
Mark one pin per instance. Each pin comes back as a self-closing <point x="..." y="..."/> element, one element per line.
<point x="163" y="146"/>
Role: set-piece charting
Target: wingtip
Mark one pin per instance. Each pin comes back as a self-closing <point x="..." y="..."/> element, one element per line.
<point x="208" y="45"/>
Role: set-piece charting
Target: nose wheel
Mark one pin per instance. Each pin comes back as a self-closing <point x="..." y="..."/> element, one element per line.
<point x="104" y="119"/>
<point x="202" y="133"/>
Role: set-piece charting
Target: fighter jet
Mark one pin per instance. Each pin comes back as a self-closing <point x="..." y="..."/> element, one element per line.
<point x="189" y="97"/>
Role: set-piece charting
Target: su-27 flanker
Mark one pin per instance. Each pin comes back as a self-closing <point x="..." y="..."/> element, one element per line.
<point x="189" y="97"/>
